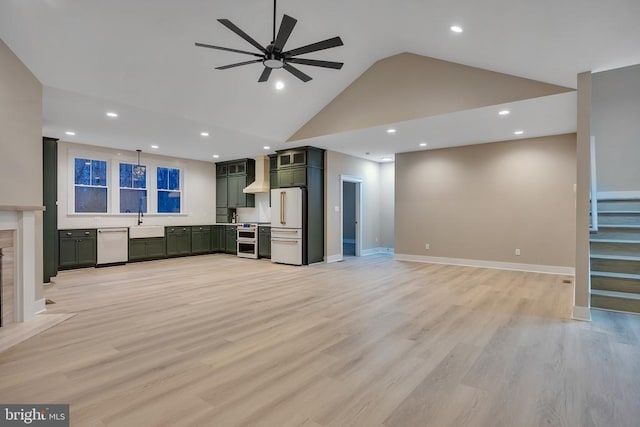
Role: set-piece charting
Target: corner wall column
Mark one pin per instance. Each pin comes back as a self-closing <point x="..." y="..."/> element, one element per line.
<point x="582" y="300"/>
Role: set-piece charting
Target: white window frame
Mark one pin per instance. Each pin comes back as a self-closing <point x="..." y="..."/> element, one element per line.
<point x="71" y="194"/>
<point x="181" y="190"/>
<point x="146" y="187"/>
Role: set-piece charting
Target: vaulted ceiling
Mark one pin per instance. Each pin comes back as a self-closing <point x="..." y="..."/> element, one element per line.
<point x="138" y="57"/>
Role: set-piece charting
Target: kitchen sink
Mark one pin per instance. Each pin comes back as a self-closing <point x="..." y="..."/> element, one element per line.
<point x="145" y="231"/>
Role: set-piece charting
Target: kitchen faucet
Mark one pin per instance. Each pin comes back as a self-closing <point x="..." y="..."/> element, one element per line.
<point x="140" y="216"/>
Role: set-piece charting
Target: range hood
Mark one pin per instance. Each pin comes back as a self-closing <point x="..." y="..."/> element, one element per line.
<point x="261" y="184"/>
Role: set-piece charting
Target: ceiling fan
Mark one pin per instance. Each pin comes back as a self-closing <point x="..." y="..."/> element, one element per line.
<point x="273" y="55"/>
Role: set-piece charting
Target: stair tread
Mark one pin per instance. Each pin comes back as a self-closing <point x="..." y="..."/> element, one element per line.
<point x="616" y="257"/>
<point x="610" y="240"/>
<point x="615" y="294"/>
<point x="618" y="211"/>
<point x="615" y="275"/>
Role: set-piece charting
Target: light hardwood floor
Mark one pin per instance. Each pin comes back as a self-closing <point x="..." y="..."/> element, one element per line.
<point x="220" y="341"/>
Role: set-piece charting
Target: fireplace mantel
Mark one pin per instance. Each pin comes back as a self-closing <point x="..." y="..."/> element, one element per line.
<point x="6" y="208"/>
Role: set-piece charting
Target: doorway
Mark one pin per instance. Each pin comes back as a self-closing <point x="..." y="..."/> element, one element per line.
<point x="350" y="235"/>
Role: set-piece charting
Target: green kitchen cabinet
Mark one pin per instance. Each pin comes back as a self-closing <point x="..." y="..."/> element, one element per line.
<point x="264" y="242"/>
<point x="292" y="177"/>
<point x="147" y="248"/>
<point x="221" y="192"/>
<point x="217" y="238"/>
<point x="178" y="241"/>
<point x="200" y="239"/>
<point x="230" y="239"/>
<point x="235" y="197"/>
<point x="77" y="248"/>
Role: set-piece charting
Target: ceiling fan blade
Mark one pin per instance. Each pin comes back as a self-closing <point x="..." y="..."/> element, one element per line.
<point x="299" y="74"/>
<point x="230" y="25"/>
<point x="265" y="75"/>
<point x="314" y="47"/>
<point x="228" y="49"/>
<point x="316" y="63"/>
<point x="224" y="67"/>
<point x="286" y="27"/>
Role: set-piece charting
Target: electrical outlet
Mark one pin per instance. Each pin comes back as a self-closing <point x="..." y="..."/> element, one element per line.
<point x="336" y="208"/>
<point x="517" y="252"/>
<point x="426" y="246"/>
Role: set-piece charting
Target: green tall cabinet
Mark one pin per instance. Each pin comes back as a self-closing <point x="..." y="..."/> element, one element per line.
<point x="50" y="215"/>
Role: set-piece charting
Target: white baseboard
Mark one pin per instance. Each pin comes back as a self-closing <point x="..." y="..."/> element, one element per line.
<point x="547" y="269"/>
<point x="333" y="258"/>
<point x="373" y="251"/>
<point x="581" y="313"/>
<point x="39" y="306"/>
<point x="612" y="195"/>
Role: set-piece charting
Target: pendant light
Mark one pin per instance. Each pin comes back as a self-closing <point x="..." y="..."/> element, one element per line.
<point x="138" y="169"/>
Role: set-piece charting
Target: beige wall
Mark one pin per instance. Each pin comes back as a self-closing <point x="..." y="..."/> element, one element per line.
<point x="338" y="164"/>
<point x="199" y="189"/>
<point x="615" y="113"/>
<point x="409" y="86"/>
<point x="387" y="191"/>
<point x="21" y="132"/>
<point x="21" y="144"/>
<point x="481" y="202"/>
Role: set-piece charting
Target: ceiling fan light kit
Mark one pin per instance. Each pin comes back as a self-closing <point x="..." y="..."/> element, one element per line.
<point x="273" y="55"/>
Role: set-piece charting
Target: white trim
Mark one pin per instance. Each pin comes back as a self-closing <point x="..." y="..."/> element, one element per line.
<point x="613" y="195"/>
<point x="581" y="313"/>
<point x="373" y="251"/>
<point x="333" y="258"/>
<point x="547" y="269"/>
<point x="39" y="306"/>
<point x="593" y="192"/>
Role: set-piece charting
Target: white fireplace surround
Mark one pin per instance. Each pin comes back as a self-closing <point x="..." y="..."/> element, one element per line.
<point x="22" y="220"/>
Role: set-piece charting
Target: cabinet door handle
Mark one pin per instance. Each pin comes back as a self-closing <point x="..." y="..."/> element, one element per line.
<point x="69" y="234"/>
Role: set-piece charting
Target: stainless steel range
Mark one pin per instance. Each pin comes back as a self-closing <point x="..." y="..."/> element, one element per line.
<point x="247" y="240"/>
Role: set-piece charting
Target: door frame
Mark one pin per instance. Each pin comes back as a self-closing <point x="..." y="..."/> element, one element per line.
<point x="359" y="183"/>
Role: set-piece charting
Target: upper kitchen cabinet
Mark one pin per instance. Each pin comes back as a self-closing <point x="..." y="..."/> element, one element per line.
<point x="231" y="178"/>
<point x="296" y="167"/>
<point x="303" y="156"/>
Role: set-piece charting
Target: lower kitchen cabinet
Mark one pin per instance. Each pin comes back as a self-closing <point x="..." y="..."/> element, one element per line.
<point x="264" y="242"/>
<point x="146" y="249"/>
<point x="217" y="238"/>
<point x="230" y="240"/>
<point x="77" y="248"/>
<point x="178" y="241"/>
<point x="201" y="239"/>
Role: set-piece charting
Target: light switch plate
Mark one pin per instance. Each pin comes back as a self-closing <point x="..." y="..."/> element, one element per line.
<point x="336" y="208"/>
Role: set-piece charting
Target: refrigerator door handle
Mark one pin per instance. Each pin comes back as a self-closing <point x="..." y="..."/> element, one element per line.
<point x="283" y="207"/>
<point x="287" y="241"/>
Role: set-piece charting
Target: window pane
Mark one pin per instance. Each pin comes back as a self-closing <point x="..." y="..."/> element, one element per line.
<point x="83" y="171"/>
<point x="163" y="178"/>
<point x="168" y="202"/>
<point x="132" y="201"/>
<point x="174" y="179"/>
<point x="91" y="199"/>
<point x="125" y="175"/>
<point x="139" y="176"/>
<point x="99" y="173"/>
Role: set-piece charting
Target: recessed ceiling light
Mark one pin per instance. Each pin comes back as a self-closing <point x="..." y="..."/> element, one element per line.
<point x="279" y="85"/>
<point x="204" y="133"/>
<point x="386" y="159"/>
<point x="112" y="114"/>
<point x="423" y="144"/>
<point x="70" y="133"/>
<point x="391" y="131"/>
<point x="155" y="147"/>
<point x="266" y="147"/>
<point x="518" y="132"/>
<point x="504" y="112"/>
<point x="215" y="156"/>
<point x="456" y="28"/>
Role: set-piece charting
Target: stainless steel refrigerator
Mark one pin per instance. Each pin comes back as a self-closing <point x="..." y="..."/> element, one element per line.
<point x="288" y="206"/>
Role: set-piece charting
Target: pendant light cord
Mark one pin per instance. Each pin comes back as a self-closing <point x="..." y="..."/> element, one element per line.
<point x="274" y="21"/>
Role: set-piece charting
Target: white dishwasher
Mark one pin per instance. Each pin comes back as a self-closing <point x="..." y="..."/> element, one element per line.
<point x="113" y="245"/>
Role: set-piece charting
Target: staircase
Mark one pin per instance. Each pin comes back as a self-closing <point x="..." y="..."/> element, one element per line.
<point x="615" y="256"/>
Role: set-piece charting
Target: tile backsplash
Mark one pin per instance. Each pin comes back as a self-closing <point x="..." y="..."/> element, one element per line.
<point x="261" y="213"/>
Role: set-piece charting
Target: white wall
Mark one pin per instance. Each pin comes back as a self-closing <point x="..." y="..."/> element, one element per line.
<point x="198" y="197"/>
<point x="615" y="113"/>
